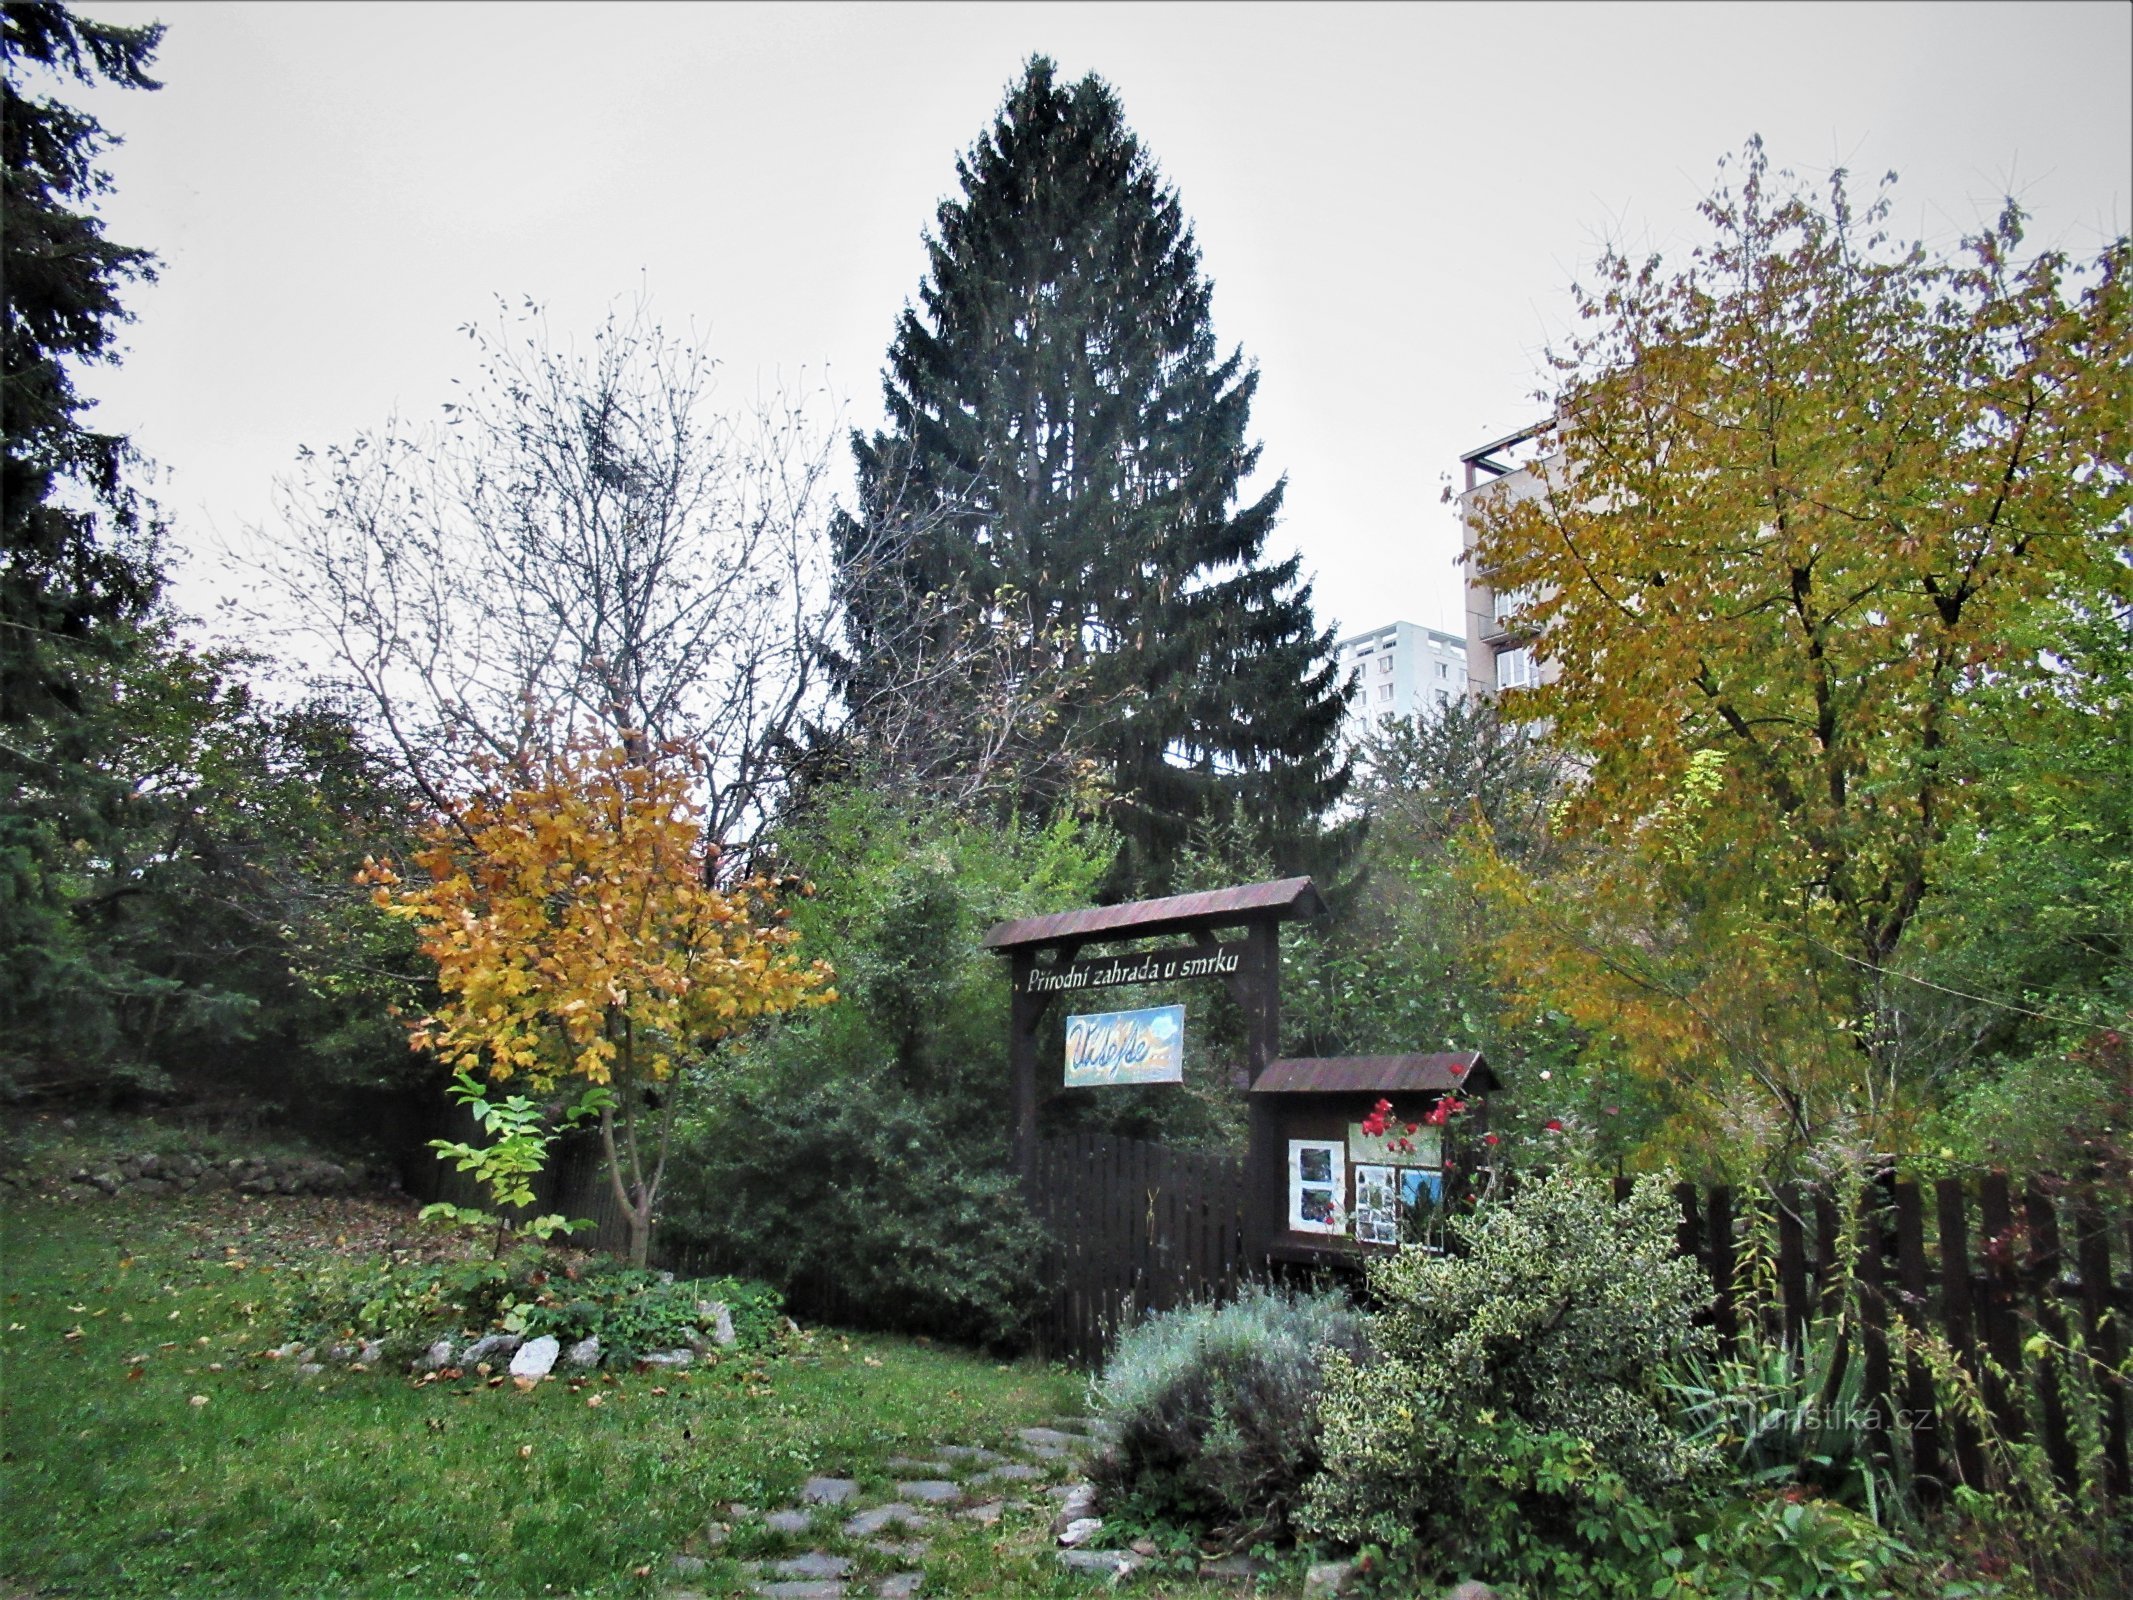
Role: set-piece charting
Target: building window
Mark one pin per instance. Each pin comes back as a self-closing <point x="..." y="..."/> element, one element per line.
<point x="1384" y="691"/>
<point x="1516" y="669"/>
<point x="1384" y="664"/>
<point x="1443" y="671"/>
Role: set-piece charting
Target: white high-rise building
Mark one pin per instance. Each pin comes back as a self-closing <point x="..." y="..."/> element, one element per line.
<point x="1405" y="670"/>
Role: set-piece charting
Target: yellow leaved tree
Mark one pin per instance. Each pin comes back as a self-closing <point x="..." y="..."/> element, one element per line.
<point x="1812" y="496"/>
<point x="582" y="937"/>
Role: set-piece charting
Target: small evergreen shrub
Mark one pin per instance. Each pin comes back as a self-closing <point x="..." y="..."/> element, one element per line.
<point x="1215" y="1407"/>
<point x="1521" y="1373"/>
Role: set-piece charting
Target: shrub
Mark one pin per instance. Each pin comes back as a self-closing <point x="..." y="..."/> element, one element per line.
<point x="634" y="1312"/>
<point x="1215" y="1407"/>
<point x="1523" y="1370"/>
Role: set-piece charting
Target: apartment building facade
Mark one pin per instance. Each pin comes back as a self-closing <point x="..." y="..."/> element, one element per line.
<point x="1404" y="671"/>
<point x="1499" y="655"/>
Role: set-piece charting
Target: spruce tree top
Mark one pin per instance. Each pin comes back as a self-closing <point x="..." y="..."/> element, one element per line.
<point x="1058" y="399"/>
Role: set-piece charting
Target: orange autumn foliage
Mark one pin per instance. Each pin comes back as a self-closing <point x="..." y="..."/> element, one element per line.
<point x="580" y="934"/>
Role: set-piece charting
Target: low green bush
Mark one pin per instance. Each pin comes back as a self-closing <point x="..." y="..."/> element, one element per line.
<point x="408" y="1302"/>
<point x="633" y="1312"/>
<point x="1213" y="1409"/>
<point x="1516" y="1381"/>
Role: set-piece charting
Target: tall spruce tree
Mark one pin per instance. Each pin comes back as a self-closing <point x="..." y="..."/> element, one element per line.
<point x="1063" y="429"/>
<point x="77" y="566"/>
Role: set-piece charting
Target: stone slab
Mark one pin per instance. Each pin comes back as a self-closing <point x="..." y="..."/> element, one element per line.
<point x="876" y="1518"/>
<point x="829" y="1491"/>
<point x="930" y="1491"/>
<point x="814" y="1564"/>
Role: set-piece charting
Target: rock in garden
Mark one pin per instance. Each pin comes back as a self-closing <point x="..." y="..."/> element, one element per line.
<point x="815" y="1564"/>
<point x="900" y="1585"/>
<point x="828" y="1491"/>
<point x="435" y="1358"/>
<point x="986" y="1514"/>
<point x="1328" y="1578"/>
<point x="1080" y="1531"/>
<point x="1112" y="1563"/>
<point x="718" y="1319"/>
<point x="488" y="1348"/>
<point x="968" y="1452"/>
<point x="667" y="1358"/>
<point x="803" y="1589"/>
<point x="1080" y="1503"/>
<point x="1011" y="1472"/>
<point x="309" y="1369"/>
<point x="687" y="1566"/>
<point x="585" y="1353"/>
<point x="930" y="1491"/>
<point x="1472" y="1589"/>
<point x="1238" y="1568"/>
<point x="371" y="1350"/>
<point x="791" y="1523"/>
<point x="536" y="1357"/>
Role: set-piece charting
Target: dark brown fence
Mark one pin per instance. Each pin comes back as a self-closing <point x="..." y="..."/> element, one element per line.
<point x="1135" y="1227"/>
<point x="1973" y="1269"/>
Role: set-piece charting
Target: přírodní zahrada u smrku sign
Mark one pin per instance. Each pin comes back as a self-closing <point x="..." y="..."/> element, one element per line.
<point x="1110" y="1047"/>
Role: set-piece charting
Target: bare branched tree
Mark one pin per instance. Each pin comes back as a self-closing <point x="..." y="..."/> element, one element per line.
<point x="582" y="544"/>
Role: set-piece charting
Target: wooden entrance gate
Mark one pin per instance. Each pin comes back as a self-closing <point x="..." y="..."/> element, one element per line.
<point x="1135" y="1228"/>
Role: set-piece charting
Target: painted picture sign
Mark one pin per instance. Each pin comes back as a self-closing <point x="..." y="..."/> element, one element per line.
<point x="1112" y="1047"/>
<point x="1396" y="1147"/>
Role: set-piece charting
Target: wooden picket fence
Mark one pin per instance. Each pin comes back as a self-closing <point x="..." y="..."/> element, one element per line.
<point x="1983" y="1264"/>
<point x="1134" y="1228"/>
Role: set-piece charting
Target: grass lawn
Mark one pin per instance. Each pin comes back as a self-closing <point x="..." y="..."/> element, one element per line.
<point x="151" y="1447"/>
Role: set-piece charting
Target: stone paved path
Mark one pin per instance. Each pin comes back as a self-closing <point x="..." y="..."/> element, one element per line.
<point x="847" y="1542"/>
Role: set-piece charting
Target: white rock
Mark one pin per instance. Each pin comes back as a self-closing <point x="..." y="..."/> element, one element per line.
<point x="1080" y="1503"/>
<point x="585" y="1353"/>
<point x="666" y="1358"/>
<point x="719" y="1319"/>
<point x="435" y="1358"/>
<point x="536" y="1357"/>
<point x="1081" y="1530"/>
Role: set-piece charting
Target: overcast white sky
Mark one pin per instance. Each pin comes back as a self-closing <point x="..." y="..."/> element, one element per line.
<point x="1390" y="199"/>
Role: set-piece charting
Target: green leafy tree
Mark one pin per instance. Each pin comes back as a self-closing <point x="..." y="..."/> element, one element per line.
<point x="180" y="912"/>
<point x="1816" y="496"/>
<point x="1064" y="430"/>
<point x="865" y="1145"/>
